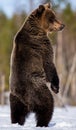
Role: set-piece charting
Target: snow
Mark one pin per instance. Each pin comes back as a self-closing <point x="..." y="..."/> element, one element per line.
<point x="63" y="119"/>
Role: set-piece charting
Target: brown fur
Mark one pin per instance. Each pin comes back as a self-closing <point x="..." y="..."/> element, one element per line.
<point x="32" y="66"/>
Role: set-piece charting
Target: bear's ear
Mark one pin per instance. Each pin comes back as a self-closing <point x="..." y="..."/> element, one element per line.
<point x="48" y="5"/>
<point x="41" y="9"/>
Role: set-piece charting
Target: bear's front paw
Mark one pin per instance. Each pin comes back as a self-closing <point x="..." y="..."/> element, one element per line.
<point x="55" y="88"/>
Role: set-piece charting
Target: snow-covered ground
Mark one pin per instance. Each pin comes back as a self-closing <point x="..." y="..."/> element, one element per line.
<point x="63" y="119"/>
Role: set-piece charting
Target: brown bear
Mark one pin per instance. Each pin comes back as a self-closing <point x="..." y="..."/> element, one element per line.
<point x="32" y="67"/>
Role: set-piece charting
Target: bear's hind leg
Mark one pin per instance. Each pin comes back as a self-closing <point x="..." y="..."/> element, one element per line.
<point x="43" y="118"/>
<point x="18" y="110"/>
<point x="44" y="113"/>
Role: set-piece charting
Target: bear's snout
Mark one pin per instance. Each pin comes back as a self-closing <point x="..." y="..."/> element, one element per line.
<point x="61" y="27"/>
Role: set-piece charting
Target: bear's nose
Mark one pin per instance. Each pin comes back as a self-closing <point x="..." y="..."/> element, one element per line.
<point x="62" y="26"/>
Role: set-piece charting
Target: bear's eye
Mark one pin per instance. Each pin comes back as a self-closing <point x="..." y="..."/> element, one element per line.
<point x="51" y="19"/>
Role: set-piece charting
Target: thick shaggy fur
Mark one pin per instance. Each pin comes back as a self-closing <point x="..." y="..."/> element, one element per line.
<point x="31" y="67"/>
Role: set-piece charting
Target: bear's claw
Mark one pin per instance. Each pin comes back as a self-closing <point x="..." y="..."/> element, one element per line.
<point x="55" y="89"/>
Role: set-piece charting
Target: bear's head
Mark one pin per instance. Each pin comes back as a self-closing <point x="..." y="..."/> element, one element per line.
<point x="47" y="18"/>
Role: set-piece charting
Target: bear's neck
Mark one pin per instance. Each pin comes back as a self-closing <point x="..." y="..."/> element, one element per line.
<point x="33" y="27"/>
